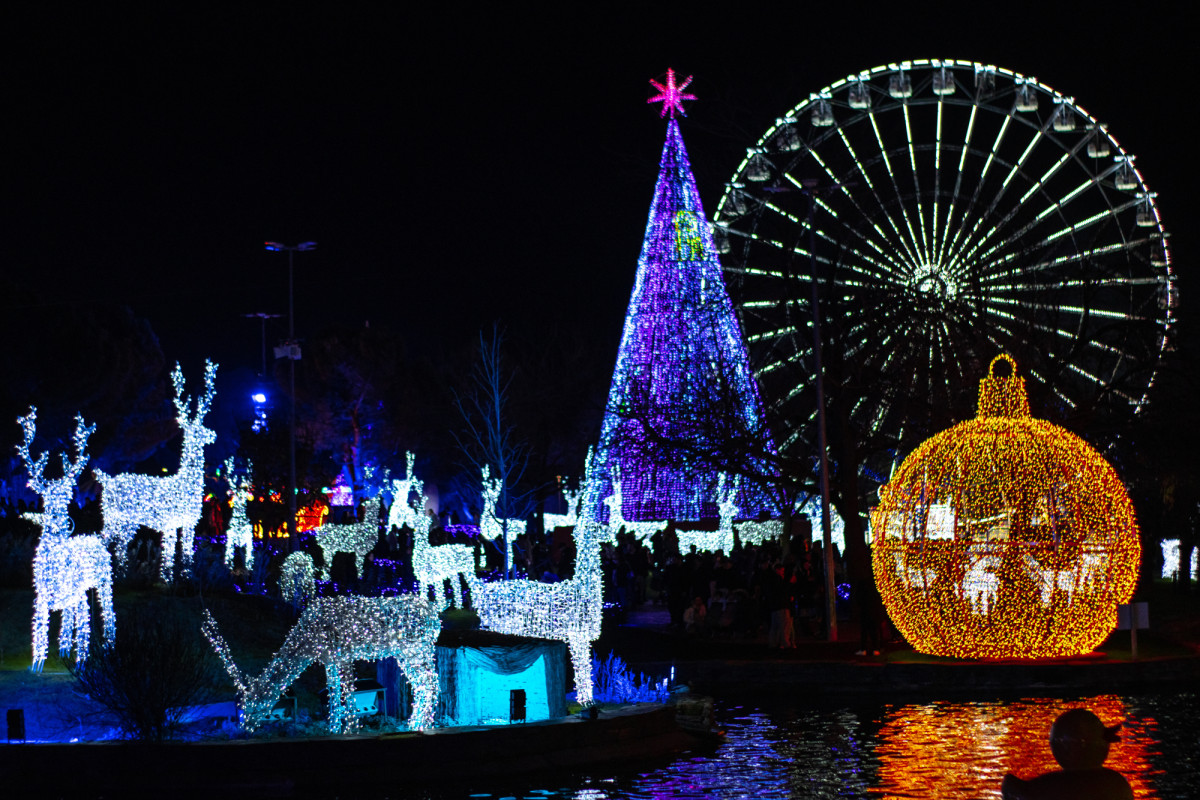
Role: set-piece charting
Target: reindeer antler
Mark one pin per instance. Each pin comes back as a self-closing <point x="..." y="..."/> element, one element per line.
<point x="182" y="401"/>
<point x="36" y="467"/>
<point x="73" y="469"/>
<point x="210" y="389"/>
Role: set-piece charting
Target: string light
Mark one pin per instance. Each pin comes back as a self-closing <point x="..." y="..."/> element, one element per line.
<point x="65" y="567"/>
<point x="682" y="369"/>
<point x="239" y="533"/>
<point x="722" y="538"/>
<point x="569" y="610"/>
<point x="551" y="521"/>
<point x="358" y="538"/>
<point x="491" y="524"/>
<point x="616" y="518"/>
<point x="297" y="579"/>
<point x="335" y="632"/>
<point x="167" y="504"/>
<point x="432" y="566"/>
<point x="759" y="532"/>
<point x="1172" y="560"/>
<point x="1005" y="536"/>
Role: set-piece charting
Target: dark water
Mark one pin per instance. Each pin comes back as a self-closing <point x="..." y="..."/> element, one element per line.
<point x="792" y="748"/>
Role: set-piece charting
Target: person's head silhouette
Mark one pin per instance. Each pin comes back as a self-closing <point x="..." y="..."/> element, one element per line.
<point x="1079" y="740"/>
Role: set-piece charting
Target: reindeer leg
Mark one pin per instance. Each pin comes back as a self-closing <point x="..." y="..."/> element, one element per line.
<point x="581" y="662"/>
<point x="83" y="627"/>
<point x="187" y="541"/>
<point x="66" y="629"/>
<point x="104" y="593"/>
<point x="423" y="678"/>
<point x="41" y="632"/>
<point x="167" y="563"/>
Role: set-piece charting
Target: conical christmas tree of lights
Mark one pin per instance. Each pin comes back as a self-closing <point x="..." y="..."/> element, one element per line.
<point x="682" y="384"/>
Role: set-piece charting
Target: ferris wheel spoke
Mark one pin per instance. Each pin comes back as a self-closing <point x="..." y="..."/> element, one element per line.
<point x="891" y="245"/>
<point x="914" y="253"/>
<point x="841" y="184"/>
<point x="884" y="260"/>
<point x="958" y="180"/>
<point x="979" y="184"/>
<point x="1012" y="214"/>
<point x="936" y="248"/>
<point x="916" y="176"/>
<point x="990" y="210"/>
<point x="989" y="274"/>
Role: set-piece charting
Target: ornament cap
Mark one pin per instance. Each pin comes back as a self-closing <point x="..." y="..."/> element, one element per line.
<point x="1001" y="396"/>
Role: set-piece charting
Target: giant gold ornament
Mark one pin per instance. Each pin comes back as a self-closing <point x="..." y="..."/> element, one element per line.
<point x="1005" y="536"/>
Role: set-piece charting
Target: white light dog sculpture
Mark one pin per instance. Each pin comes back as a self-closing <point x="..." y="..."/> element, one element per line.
<point x="358" y="538"/>
<point x="335" y="632"/>
<point x="432" y="565"/>
<point x="168" y="504"/>
<point x="568" y="611"/>
<point x="65" y="567"/>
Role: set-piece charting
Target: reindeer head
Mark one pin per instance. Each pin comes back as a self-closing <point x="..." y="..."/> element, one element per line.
<point x="194" y="433"/>
<point x="56" y="493"/>
<point x="402" y="511"/>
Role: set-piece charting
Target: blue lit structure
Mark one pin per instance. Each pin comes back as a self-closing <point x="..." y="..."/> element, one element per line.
<point x="682" y="373"/>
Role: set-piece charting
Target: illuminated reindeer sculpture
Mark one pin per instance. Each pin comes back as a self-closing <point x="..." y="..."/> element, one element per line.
<point x="616" y="514"/>
<point x="567" y="520"/>
<point x="65" y="567"/>
<point x="167" y="504"/>
<point x="336" y="631"/>
<point x="568" y="611"/>
<point x="432" y="565"/>
<point x="491" y="524"/>
<point x="240" y="532"/>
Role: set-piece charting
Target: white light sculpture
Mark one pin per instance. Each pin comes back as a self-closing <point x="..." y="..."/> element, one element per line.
<point x="65" y="567"/>
<point x="759" y="532"/>
<point x="432" y="566"/>
<point x="491" y="524"/>
<point x="297" y="582"/>
<point x="1172" y="558"/>
<point x="616" y="514"/>
<point x="551" y="521"/>
<point x="240" y="532"/>
<point x="980" y="583"/>
<point x="567" y="611"/>
<point x="358" y="538"/>
<point x="335" y="632"/>
<point x="167" y="504"/>
<point x="722" y="538"/>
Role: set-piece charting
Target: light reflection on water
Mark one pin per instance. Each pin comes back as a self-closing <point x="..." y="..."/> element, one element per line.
<point x="936" y="749"/>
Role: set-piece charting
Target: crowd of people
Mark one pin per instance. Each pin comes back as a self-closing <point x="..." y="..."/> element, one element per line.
<point x="750" y="590"/>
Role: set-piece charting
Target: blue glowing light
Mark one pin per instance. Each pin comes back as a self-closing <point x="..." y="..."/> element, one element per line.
<point x="258" y="397"/>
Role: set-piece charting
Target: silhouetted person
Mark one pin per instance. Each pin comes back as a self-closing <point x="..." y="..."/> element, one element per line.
<point x="1079" y="742"/>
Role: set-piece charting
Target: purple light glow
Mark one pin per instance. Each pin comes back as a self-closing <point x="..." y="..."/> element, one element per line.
<point x="682" y="358"/>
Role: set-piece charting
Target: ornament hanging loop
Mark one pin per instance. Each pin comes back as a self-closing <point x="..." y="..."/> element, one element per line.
<point x="1000" y="396"/>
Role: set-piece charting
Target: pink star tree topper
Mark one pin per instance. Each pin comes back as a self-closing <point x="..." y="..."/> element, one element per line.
<point x="671" y="96"/>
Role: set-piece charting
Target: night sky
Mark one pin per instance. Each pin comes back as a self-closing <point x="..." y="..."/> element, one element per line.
<point x="458" y="168"/>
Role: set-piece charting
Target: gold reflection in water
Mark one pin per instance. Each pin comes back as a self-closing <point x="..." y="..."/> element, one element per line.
<point x="963" y="750"/>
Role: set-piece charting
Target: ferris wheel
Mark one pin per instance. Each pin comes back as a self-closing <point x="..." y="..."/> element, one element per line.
<point x="946" y="210"/>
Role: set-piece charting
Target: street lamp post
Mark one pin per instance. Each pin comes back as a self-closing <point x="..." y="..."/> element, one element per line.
<point x="293" y="353"/>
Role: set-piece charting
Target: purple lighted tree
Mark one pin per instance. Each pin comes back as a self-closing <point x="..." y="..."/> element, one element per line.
<point x="683" y="406"/>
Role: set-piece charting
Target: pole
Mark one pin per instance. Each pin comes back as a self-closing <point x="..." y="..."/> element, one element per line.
<point x="831" y="633"/>
<point x="294" y="535"/>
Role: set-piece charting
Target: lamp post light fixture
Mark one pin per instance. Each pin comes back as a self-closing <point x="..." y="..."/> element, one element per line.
<point x="292" y="351"/>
